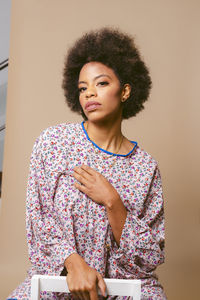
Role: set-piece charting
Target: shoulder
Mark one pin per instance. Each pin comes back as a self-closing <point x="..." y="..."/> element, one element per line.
<point x="60" y="130"/>
<point x="144" y="164"/>
<point x="143" y="158"/>
<point x="59" y="133"/>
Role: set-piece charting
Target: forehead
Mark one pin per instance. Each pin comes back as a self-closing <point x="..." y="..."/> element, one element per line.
<point x="93" y="69"/>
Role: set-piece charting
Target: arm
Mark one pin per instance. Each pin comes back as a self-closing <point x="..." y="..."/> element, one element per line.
<point x="117" y="214"/>
<point x="50" y="233"/>
<point x="99" y="189"/>
<point x="48" y="243"/>
<point x="142" y="239"/>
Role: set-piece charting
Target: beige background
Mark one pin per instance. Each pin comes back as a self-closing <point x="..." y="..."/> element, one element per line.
<point x="167" y="33"/>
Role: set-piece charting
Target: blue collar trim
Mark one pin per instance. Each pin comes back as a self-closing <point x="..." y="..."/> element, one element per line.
<point x="108" y="152"/>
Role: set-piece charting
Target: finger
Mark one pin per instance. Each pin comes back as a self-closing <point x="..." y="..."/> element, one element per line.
<point x="80" y="178"/>
<point x="75" y="295"/>
<point x="78" y="295"/>
<point x="101" y="284"/>
<point x="81" y="295"/>
<point x="93" y="294"/>
<point x="80" y="187"/>
<point x="85" y="296"/>
<point x="89" y="170"/>
<point x="82" y="172"/>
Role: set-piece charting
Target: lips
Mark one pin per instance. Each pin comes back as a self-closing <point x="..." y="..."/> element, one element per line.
<point x="92" y="105"/>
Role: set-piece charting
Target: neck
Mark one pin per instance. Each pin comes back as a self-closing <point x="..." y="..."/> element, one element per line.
<point x="106" y="136"/>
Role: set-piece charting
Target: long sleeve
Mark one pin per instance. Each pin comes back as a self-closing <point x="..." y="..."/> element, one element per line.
<point x="50" y="236"/>
<point x="141" y="247"/>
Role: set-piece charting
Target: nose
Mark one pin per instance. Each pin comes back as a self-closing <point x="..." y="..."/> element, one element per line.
<point x="90" y="92"/>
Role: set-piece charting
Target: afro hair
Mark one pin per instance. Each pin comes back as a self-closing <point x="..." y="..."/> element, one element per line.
<point x="117" y="51"/>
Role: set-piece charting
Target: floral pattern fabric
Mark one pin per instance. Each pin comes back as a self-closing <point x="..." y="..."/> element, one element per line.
<point x="61" y="220"/>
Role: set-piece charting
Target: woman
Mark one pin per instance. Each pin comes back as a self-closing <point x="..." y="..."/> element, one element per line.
<point x="94" y="198"/>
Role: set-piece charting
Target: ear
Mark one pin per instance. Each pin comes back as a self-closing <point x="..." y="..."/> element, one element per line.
<point x="126" y="91"/>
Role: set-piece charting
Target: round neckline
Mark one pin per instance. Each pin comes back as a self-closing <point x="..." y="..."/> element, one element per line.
<point x="105" y="151"/>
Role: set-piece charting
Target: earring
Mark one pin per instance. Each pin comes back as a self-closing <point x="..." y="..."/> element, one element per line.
<point x="123" y="99"/>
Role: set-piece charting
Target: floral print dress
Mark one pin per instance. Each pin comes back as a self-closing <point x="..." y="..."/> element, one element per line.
<point x="61" y="220"/>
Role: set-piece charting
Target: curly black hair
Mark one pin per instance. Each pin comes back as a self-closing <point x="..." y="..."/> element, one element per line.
<point x="117" y="51"/>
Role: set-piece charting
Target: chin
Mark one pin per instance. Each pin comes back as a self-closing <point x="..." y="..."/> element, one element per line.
<point x="99" y="118"/>
<point x="94" y="118"/>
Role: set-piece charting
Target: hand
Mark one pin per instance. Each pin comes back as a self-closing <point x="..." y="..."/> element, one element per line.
<point x="82" y="280"/>
<point x="95" y="185"/>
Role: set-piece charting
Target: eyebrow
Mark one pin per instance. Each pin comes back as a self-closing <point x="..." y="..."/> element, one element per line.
<point x="101" y="75"/>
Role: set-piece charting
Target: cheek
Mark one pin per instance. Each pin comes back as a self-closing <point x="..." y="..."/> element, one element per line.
<point x="81" y="100"/>
<point x="113" y="97"/>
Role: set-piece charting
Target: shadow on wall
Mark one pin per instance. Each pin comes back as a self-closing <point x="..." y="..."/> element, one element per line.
<point x="3" y="94"/>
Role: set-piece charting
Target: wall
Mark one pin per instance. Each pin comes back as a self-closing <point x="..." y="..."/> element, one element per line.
<point x="167" y="33"/>
<point x="5" y="6"/>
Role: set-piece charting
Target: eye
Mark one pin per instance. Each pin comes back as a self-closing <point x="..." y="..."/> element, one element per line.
<point x="81" y="89"/>
<point x="103" y="83"/>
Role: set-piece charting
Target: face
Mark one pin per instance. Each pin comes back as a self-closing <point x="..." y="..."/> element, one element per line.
<point x="100" y="92"/>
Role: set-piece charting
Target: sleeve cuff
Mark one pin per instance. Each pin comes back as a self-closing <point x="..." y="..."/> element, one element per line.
<point x="61" y="252"/>
<point x="136" y="234"/>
